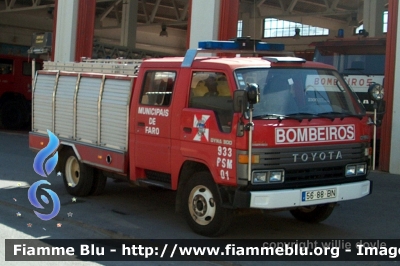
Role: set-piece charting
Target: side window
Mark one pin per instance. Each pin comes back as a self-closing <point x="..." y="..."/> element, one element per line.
<point x="210" y="90"/>
<point x="6" y="66"/>
<point x="157" y="88"/>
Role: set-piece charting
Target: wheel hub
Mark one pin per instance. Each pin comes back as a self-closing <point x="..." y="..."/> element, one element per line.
<point x="199" y="205"/>
<point x="202" y="205"/>
<point x="72" y="171"/>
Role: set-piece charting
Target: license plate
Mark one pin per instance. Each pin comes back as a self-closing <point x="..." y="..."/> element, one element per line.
<point x="318" y="194"/>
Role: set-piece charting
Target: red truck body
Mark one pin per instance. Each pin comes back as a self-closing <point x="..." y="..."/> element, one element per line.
<point x="160" y="128"/>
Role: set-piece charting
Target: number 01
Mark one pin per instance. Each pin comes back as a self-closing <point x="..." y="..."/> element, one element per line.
<point x="224" y="174"/>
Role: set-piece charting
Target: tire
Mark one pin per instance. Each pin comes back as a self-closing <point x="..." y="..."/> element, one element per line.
<point x="14" y="114"/>
<point x="202" y="206"/>
<point x="313" y="214"/>
<point x="99" y="183"/>
<point x="78" y="177"/>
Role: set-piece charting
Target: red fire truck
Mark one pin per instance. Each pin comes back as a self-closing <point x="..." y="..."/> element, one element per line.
<point x="272" y="133"/>
<point x="15" y="90"/>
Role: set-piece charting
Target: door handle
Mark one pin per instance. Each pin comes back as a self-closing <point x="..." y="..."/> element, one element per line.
<point x="187" y="130"/>
<point x="141" y="124"/>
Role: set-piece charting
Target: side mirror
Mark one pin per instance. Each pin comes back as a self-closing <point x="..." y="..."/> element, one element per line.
<point x="376" y="92"/>
<point x="240" y="101"/>
<point x="253" y="93"/>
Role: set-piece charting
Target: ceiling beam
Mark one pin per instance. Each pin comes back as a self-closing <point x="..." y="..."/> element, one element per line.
<point x="282" y="6"/>
<point x="323" y="13"/>
<point x="314" y="3"/>
<point x="334" y="5"/>
<point x="184" y="11"/>
<point x="109" y="9"/>
<point x="10" y="4"/>
<point x="260" y="2"/>
<point x="144" y="4"/>
<point x="36" y="2"/>
<point x="176" y="9"/>
<point x="30" y="8"/>
<point x="291" y="6"/>
<point x="155" y="9"/>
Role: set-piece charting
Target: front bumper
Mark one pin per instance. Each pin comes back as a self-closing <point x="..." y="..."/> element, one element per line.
<point x="288" y="198"/>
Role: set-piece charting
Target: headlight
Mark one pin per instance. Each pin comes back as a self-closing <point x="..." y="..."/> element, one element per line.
<point x="356" y="169"/>
<point x="268" y="176"/>
<point x="350" y="170"/>
<point x="276" y="176"/>
<point x="260" y="177"/>
<point x="376" y="92"/>
<point x="361" y="169"/>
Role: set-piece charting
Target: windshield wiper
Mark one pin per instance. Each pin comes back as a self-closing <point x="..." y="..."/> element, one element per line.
<point x="302" y="115"/>
<point x="279" y="116"/>
<point x="332" y="115"/>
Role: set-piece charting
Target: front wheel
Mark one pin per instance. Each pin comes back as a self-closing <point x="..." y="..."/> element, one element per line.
<point x="78" y="177"/>
<point x="313" y="214"/>
<point x="203" y="210"/>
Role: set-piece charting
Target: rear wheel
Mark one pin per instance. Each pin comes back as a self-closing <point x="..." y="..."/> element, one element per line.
<point x="313" y="214"/>
<point x="78" y="177"/>
<point x="14" y="114"/>
<point x="202" y="208"/>
<point x="99" y="183"/>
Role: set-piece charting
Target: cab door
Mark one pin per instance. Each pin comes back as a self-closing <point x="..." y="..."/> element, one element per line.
<point x="152" y="122"/>
<point x="207" y="133"/>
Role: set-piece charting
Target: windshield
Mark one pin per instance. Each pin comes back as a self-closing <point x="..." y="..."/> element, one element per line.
<point x="300" y="92"/>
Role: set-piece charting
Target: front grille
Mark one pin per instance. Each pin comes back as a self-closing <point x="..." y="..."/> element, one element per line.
<point x="301" y="175"/>
<point x="317" y="163"/>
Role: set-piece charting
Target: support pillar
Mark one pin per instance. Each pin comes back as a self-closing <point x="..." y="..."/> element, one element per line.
<point x="65" y="45"/>
<point x="373" y="17"/>
<point x="129" y="23"/>
<point x="393" y="92"/>
<point x="252" y="25"/>
<point x="85" y="29"/>
<point x="53" y="41"/>
<point x="212" y="20"/>
<point x="229" y="16"/>
<point x="204" y="21"/>
<point x="388" y="156"/>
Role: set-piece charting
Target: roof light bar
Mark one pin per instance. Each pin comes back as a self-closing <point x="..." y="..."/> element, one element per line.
<point x="237" y="46"/>
<point x="242" y="44"/>
<point x="284" y="59"/>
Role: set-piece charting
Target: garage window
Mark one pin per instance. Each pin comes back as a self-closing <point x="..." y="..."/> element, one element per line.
<point x="282" y="28"/>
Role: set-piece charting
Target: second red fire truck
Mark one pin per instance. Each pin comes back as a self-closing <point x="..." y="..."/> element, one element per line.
<point x="273" y="133"/>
